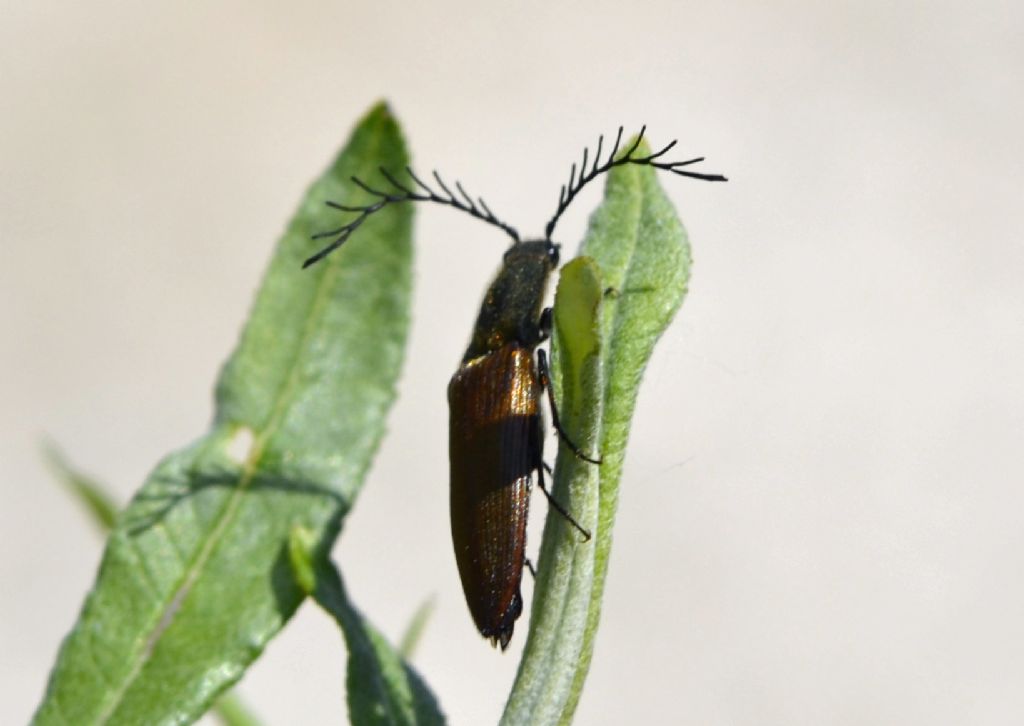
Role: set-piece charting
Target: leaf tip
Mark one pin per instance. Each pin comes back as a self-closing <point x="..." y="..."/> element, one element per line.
<point x="380" y="111"/>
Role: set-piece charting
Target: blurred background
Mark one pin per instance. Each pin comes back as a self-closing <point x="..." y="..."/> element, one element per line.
<point x="820" y="515"/>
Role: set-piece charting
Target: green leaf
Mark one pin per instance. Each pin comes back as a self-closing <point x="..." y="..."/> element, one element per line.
<point x="86" y="489"/>
<point x="195" y="578"/>
<point x="382" y="689"/>
<point x="641" y="249"/>
<point x="414" y="630"/>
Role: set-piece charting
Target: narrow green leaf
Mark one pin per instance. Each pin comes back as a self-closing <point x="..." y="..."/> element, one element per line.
<point x="229" y="709"/>
<point x="410" y="639"/>
<point x="195" y="578"/>
<point x="641" y="249"/>
<point x="86" y="489"/>
<point x="382" y="689"/>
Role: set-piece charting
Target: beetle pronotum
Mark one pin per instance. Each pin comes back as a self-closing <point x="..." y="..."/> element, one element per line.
<point x="495" y="429"/>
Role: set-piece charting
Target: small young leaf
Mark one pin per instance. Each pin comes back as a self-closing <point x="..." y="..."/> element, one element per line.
<point x="641" y="250"/>
<point x="382" y="689"/>
<point x="195" y="578"/>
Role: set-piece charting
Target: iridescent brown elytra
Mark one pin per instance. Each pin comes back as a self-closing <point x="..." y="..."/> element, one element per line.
<point x="495" y="439"/>
<point x="495" y="442"/>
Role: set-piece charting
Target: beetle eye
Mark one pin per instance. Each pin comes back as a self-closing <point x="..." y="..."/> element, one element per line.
<point x="553" y="255"/>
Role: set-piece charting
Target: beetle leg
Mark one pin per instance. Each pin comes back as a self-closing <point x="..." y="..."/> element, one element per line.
<point x="529" y="566"/>
<point x="554" y="502"/>
<point x="545" y="382"/>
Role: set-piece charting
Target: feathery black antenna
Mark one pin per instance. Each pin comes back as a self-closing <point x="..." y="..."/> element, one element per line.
<point x="570" y="191"/>
<point x="404" y="194"/>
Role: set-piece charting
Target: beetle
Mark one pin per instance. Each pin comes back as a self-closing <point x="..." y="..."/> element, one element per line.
<point x="495" y="428"/>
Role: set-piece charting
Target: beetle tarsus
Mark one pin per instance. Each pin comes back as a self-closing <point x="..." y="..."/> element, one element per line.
<point x="558" y="507"/>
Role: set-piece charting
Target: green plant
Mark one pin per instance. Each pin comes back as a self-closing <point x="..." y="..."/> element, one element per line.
<point x="227" y="536"/>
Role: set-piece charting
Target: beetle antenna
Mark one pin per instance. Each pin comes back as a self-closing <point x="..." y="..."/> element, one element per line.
<point x="570" y="191"/>
<point x="399" y="192"/>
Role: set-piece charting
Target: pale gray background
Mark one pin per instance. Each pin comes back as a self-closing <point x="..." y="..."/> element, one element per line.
<point x="820" y="518"/>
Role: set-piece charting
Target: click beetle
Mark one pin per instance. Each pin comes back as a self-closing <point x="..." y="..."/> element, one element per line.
<point x="495" y="429"/>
